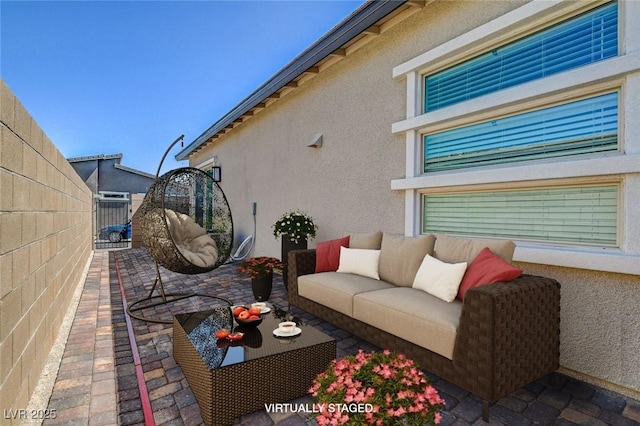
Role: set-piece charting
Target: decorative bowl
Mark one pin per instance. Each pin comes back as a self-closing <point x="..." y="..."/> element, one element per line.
<point x="248" y="322"/>
<point x="245" y="322"/>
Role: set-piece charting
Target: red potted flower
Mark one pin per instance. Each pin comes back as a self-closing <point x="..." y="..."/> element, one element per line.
<point x="260" y="270"/>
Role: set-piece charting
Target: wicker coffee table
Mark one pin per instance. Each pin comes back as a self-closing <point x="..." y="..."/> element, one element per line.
<point x="233" y="379"/>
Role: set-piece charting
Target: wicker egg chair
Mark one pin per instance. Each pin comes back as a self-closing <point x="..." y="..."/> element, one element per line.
<point x="187" y="227"/>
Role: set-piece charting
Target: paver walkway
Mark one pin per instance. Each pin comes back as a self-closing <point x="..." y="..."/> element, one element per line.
<point x="86" y="388"/>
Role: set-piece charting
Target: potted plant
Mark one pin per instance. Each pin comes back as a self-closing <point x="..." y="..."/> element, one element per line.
<point x="260" y="270"/>
<point x="294" y="228"/>
<point x="377" y="388"/>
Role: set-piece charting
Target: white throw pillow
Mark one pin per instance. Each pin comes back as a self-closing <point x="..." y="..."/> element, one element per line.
<point x="439" y="279"/>
<point x="360" y="262"/>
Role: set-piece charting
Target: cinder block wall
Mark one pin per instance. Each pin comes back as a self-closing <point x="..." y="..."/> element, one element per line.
<point x="45" y="244"/>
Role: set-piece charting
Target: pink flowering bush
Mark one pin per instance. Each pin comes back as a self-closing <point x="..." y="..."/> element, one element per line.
<point x="377" y="388"/>
<point x="259" y="266"/>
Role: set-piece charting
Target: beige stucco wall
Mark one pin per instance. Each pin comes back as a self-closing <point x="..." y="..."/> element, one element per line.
<point x="345" y="184"/>
<point x="136" y="234"/>
<point x="600" y="325"/>
<point x="45" y="247"/>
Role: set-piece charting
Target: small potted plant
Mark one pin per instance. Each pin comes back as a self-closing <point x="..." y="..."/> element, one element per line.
<point x="260" y="270"/>
<point x="377" y="388"/>
<point x="294" y="228"/>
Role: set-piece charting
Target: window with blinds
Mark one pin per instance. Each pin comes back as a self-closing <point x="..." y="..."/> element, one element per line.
<point x="580" y="127"/>
<point x="584" y="39"/>
<point x="583" y="215"/>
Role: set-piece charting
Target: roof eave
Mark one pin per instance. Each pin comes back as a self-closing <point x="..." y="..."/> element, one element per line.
<point x="356" y="23"/>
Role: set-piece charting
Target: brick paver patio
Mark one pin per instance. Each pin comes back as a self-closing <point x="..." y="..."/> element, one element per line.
<point x="85" y="391"/>
<point x="97" y="382"/>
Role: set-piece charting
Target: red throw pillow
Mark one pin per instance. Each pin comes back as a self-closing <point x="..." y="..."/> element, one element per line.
<point x="328" y="254"/>
<point x="487" y="268"/>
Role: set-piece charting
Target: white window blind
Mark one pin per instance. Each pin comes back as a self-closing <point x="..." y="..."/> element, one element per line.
<point x="584" y="39"/>
<point x="580" y="127"/>
<point x="584" y="215"/>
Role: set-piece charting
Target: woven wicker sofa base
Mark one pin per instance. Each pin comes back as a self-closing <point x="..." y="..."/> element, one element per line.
<point x="509" y="333"/>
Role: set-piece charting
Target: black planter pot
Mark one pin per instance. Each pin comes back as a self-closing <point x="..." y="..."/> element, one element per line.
<point x="287" y="246"/>
<point x="261" y="287"/>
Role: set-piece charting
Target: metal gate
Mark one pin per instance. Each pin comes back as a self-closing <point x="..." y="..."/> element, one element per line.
<point x="113" y="221"/>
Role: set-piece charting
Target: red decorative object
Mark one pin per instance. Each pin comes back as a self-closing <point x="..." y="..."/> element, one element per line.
<point x="328" y="254"/>
<point x="487" y="268"/>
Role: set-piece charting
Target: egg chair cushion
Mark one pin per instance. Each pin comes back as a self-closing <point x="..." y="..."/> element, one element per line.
<point x="193" y="241"/>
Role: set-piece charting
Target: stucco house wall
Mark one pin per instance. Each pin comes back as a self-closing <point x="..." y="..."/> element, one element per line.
<point x="346" y="184"/>
<point x="45" y="248"/>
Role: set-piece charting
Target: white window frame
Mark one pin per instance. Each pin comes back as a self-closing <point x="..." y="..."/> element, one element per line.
<point x="621" y="73"/>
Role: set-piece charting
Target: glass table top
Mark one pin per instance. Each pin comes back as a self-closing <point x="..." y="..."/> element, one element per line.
<point x="257" y="342"/>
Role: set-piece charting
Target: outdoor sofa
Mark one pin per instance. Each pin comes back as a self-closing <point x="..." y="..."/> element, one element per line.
<point x="499" y="338"/>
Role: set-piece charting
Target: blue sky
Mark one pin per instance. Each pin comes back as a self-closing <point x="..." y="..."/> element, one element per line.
<point x="106" y="77"/>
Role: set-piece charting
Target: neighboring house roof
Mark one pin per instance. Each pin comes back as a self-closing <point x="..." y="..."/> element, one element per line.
<point x="368" y="21"/>
<point x="130" y="170"/>
<point x="117" y="165"/>
<point x="118" y="157"/>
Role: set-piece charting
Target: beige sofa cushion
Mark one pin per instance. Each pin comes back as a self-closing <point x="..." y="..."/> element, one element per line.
<point x="336" y="290"/>
<point x="413" y="315"/>
<point x="191" y="239"/>
<point x="456" y="250"/>
<point x="370" y="241"/>
<point x="400" y="257"/>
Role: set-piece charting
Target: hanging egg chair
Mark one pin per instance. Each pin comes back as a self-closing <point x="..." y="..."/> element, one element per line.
<point x="187" y="227"/>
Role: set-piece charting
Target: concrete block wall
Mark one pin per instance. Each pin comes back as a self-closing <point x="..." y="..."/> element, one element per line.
<point x="45" y="246"/>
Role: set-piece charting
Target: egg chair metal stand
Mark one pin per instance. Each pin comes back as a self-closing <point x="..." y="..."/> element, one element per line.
<point x="187" y="226"/>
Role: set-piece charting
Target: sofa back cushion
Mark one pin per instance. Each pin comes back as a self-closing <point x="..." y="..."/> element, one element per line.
<point x="400" y="257"/>
<point x="456" y="250"/>
<point x="369" y="241"/>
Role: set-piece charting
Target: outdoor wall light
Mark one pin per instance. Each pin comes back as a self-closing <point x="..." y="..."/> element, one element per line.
<point x="316" y="142"/>
<point x="216" y="173"/>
